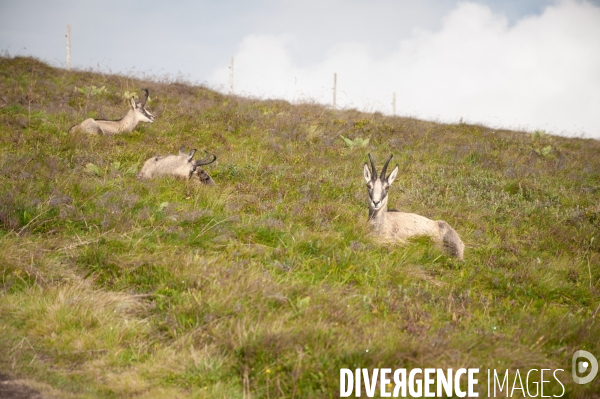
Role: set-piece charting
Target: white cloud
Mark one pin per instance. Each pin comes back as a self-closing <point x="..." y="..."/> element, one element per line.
<point x="541" y="72"/>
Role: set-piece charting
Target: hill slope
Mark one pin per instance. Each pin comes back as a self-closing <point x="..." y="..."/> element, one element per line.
<point x="267" y="284"/>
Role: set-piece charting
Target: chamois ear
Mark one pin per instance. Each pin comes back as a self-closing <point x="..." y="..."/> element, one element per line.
<point x="191" y="155"/>
<point x="367" y="173"/>
<point x="392" y="175"/>
<point x="132" y="101"/>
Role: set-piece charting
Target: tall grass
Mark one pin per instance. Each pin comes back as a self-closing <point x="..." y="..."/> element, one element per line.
<point x="269" y="283"/>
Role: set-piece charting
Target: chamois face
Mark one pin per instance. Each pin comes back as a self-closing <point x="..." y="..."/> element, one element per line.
<point x="139" y="108"/>
<point x="195" y="167"/>
<point x="377" y="187"/>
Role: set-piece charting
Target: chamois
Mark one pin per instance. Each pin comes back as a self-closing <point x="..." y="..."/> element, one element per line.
<point x="137" y="113"/>
<point x="181" y="165"/>
<point x="399" y="226"/>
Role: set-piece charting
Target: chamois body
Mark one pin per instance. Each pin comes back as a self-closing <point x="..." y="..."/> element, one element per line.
<point x="137" y="113"/>
<point x="181" y="165"/>
<point x="394" y="226"/>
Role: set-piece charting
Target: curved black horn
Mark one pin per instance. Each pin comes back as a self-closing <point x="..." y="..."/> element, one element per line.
<point x="145" y="96"/>
<point x="385" y="167"/>
<point x="205" y="161"/>
<point x="373" y="170"/>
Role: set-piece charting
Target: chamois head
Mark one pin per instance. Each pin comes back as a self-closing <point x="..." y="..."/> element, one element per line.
<point x="195" y="166"/>
<point x="378" y="187"/>
<point x="139" y="109"/>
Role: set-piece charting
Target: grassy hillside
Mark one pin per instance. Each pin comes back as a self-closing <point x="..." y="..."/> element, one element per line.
<point x="269" y="283"/>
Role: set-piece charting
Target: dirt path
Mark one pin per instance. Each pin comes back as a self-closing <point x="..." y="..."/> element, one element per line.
<point x="15" y="389"/>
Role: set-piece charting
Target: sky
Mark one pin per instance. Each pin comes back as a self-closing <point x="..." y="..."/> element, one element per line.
<point x="517" y="64"/>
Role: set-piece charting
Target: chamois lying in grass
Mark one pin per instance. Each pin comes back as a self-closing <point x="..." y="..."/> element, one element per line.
<point x="137" y="113"/>
<point x="399" y="226"/>
<point x="181" y="165"/>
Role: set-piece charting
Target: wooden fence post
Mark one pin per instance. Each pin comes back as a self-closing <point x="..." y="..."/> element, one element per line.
<point x="231" y="77"/>
<point x="68" y="47"/>
<point x="334" y="89"/>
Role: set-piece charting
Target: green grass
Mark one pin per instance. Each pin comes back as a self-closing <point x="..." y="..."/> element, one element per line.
<point x="269" y="283"/>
